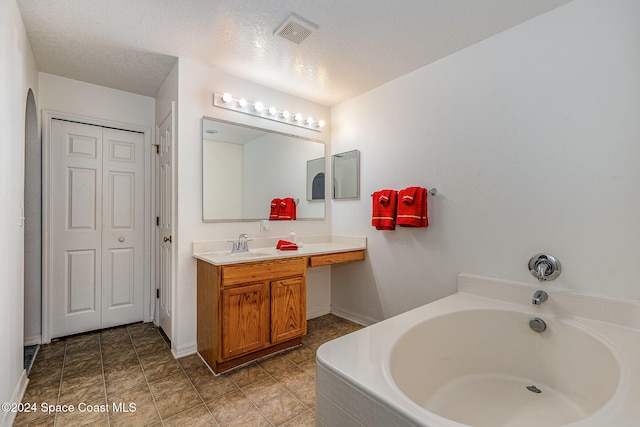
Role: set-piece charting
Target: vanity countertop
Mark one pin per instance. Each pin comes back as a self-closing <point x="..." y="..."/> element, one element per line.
<point x="264" y="249"/>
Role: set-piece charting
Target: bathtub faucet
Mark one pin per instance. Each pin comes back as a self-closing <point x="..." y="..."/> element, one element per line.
<point x="544" y="267"/>
<point x="539" y="297"/>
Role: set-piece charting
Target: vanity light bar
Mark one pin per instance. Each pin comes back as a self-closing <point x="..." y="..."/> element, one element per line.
<point x="258" y="109"/>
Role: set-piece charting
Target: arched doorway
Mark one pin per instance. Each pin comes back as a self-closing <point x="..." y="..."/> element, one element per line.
<point x="32" y="230"/>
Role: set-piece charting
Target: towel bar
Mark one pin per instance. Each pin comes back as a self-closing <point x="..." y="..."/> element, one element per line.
<point x="432" y="191"/>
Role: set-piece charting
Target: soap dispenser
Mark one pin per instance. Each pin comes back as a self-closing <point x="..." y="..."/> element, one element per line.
<point x="294" y="239"/>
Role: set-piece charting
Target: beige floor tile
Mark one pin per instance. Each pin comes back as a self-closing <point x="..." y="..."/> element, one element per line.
<point x="211" y="387"/>
<point x="169" y="384"/>
<point x="26" y="418"/>
<point x="82" y="368"/>
<point x="156" y="372"/>
<point x="308" y="419"/>
<point x="45" y="421"/>
<point x="198" y="416"/>
<point x="81" y="389"/>
<point x="282" y="408"/>
<point x="276" y="363"/>
<point x="84" y="417"/>
<point x="247" y="375"/>
<point x="120" y="380"/>
<point x="170" y="404"/>
<point x="162" y="355"/>
<point x="191" y="362"/>
<point x="230" y="406"/>
<point x="299" y="355"/>
<point x="251" y="418"/>
<point x="309" y="367"/>
<point x="138" y="408"/>
<point x="263" y="390"/>
<point x="293" y="378"/>
<point x="307" y="394"/>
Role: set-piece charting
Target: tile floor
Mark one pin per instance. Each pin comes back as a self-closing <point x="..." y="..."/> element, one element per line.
<point x="132" y="365"/>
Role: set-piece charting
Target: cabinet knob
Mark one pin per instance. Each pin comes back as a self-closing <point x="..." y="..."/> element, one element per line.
<point x="121" y="239"/>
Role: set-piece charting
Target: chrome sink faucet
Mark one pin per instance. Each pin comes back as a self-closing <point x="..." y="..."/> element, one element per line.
<point x="539" y="297"/>
<point x="241" y="244"/>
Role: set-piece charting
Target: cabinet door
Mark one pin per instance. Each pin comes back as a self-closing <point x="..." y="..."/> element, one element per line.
<point x="245" y="319"/>
<point x="288" y="309"/>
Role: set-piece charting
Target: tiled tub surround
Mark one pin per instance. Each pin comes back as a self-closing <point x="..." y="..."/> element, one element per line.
<point x="133" y="364"/>
<point x="218" y="252"/>
<point x="589" y="355"/>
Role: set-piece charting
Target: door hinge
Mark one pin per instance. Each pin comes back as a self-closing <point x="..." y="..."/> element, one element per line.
<point x="157" y="220"/>
<point x="158" y="293"/>
<point x="157" y="148"/>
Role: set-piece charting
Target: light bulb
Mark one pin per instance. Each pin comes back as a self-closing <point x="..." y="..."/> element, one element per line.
<point x="297" y="117"/>
<point x="285" y="114"/>
<point x="309" y="120"/>
<point x="272" y="111"/>
<point x="242" y="103"/>
<point x="320" y="123"/>
<point x="227" y="98"/>
<point x="258" y="106"/>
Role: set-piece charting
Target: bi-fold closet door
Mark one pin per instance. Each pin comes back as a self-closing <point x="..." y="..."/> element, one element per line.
<point x="97" y="227"/>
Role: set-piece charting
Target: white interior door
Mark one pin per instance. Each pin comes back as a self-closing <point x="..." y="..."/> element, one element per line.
<point x="165" y="223"/>
<point x="122" y="227"/>
<point x="97" y="227"/>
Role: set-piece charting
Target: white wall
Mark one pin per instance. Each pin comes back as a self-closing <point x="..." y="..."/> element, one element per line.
<point x="532" y="139"/>
<point x="70" y="96"/>
<point x="196" y="86"/>
<point x="18" y="73"/>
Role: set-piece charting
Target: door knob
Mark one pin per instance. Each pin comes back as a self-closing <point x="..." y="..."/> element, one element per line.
<point x="121" y="239"/>
<point x="167" y="239"/>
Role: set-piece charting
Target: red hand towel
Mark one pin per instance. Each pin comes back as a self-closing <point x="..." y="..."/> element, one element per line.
<point x="383" y="213"/>
<point x="285" y="245"/>
<point x="287" y="209"/>
<point x="412" y="209"/>
<point x="275" y="209"/>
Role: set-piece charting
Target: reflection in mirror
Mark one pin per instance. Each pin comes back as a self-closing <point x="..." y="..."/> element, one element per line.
<point x="244" y="168"/>
<point x="346" y="175"/>
<point x="315" y="179"/>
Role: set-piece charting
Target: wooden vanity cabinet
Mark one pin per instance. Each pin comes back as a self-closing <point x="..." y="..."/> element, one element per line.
<point x="249" y="310"/>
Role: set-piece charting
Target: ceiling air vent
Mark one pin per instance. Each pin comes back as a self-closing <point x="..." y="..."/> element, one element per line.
<point x="296" y="29"/>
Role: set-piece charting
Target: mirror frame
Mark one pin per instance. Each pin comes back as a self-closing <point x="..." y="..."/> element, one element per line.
<point x="357" y="175"/>
<point x="263" y="129"/>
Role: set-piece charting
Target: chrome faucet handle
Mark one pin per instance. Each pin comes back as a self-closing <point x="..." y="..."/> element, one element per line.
<point x="234" y="246"/>
<point x="542" y="268"/>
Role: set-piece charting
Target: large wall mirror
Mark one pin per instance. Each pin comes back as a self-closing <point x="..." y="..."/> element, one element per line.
<point x="244" y="168"/>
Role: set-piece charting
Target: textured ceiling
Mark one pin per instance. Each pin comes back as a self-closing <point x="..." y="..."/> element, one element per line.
<point x="360" y="44"/>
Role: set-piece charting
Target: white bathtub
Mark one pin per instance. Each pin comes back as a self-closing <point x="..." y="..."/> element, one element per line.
<point x="467" y="360"/>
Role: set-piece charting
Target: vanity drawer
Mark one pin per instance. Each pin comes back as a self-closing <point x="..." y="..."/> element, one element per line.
<point x="257" y="271"/>
<point x="336" y="258"/>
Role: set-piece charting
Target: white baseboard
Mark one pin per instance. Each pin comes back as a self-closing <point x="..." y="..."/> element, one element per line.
<point x="7" y="418"/>
<point x="33" y="340"/>
<point x="317" y="312"/>
<point x="184" y="351"/>
<point x="361" y="320"/>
